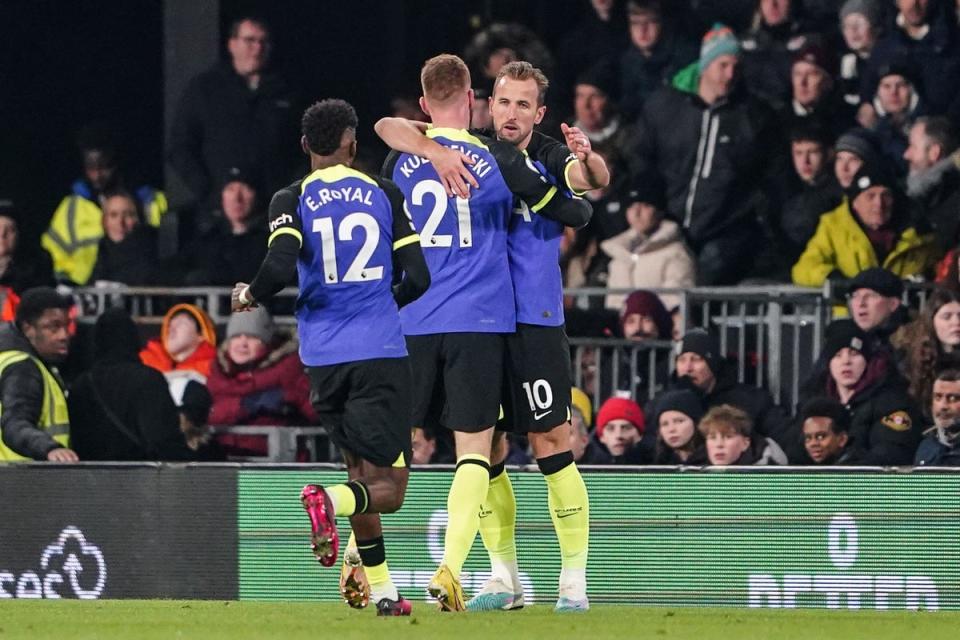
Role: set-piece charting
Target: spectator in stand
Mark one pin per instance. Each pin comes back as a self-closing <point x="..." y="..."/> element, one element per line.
<point x="237" y="112"/>
<point x="595" y="105"/>
<point x="427" y="449"/>
<point x="897" y="105"/>
<point x="701" y="367"/>
<point x="187" y="343"/>
<point x="77" y="225"/>
<point x="598" y="35"/>
<point x="884" y="420"/>
<point x="651" y="253"/>
<point x="586" y="450"/>
<point x="815" y="191"/>
<point x="930" y="344"/>
<point x="711" y="144"/>
<point x="121" y="409"/>
<point x="876" y="306"/>
<point x="925" y="36"/>
<point x="878" y="232"/>
<point x="861" y="23"/>
<point x="814" y="95"/>
<point x="826" y="431"/>
<point x="776" y="34"/>
<point x="655" y="54"/>
<point x="933" y="182"/>
<point x="193" y="404"/>
<point x="257" y="378"/>
<point x="855" y="148"/>
<point x="730" y="439"/>
<point x="499" y="44"/>
<point x="678" y="439"/>
<point x="643" y="317"/>
<point x="34" y="421"/>
<point x="127" y="251"/>
<point x="231" y="251"/>
<point x="941" y="446"/>
<point x="21" y="267"/>
<point x="620" y="425"/>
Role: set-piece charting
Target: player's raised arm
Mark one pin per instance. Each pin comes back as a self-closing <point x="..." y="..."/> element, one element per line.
<point x="542" y="197"/>
<point x="451" y="165"/>
<point x="280" y="264"/>
<point x="589" y="171"/>
<point x="411" y="276"/>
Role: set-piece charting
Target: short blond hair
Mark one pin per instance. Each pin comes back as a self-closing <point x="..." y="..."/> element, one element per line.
<point x="726" y="418"/>
<point x="444" y="77"/>
<point x="521" y="70"/>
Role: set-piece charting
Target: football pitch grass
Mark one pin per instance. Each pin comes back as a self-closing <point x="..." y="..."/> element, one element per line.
<point x="176" y="619"/>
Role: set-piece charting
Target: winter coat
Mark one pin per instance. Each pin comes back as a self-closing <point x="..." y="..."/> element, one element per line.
<point x="885" y="424"/>
<point x="21" y="399"/>
<point x="936" y="192"/>
<point x="28" y="269"/>
<point x="641" y="75"/>
<point x="711" y="158"/>
<point x="767" y="58"/>
<point x="221" y="123"/>
<point x="762" y="452"/>
<point x="841" y="245"/>
<point x="643" y="262"/>
<point x="136" y="395"/>
<point x="935" y="59"/>
<point x="273" y="391"/>
<point x="132" y="261"/>
<point x="155" y="353"/>
<point x="222" y="258"/>
<point x="933" y="453"/>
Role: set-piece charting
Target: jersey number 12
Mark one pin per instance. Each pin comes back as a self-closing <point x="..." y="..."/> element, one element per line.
<point x="358" y="271"/>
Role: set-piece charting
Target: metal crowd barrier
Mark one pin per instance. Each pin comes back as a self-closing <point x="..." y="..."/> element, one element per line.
<point x="773" y="333"/>
<point x="282" y="442"/>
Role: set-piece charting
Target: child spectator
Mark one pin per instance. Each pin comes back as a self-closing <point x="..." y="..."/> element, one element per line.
<point x="678" y="439"/>
<point x="728" y="432"/>
<point x="826" y="431"/>
<point x="187" y="343"/>
<point x="620" y="425"/>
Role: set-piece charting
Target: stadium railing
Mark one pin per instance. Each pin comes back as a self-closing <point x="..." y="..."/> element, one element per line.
<point x="284" y="442"/>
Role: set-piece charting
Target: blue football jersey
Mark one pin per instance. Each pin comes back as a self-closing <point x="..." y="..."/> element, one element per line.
<point x="348" y="227"/>
<point x="464" y="242"/>
<point x="534" y="242"/>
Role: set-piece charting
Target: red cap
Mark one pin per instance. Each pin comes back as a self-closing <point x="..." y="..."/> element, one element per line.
<point x="620" y="409"/>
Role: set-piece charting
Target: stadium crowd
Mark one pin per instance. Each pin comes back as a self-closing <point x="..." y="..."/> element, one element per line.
<point x="818" y="144"/>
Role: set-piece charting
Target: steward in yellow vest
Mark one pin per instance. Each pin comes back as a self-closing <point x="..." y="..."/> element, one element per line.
<point x="33" y="408"/>
<point x="76" y="227"/>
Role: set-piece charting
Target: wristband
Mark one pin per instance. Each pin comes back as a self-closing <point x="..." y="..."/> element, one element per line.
<point x="243" y="297"/>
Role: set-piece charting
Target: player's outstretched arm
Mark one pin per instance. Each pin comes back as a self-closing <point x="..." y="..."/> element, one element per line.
<point x="451" y="166"/>
<point x="543" y="198"/>
<point x="280" y="265"/>
<point x="590" y="171"/>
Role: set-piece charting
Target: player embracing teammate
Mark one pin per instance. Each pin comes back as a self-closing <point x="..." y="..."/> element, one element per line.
<point x="535" y="357"/>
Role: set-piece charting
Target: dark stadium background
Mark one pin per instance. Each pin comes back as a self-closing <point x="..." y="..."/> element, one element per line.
<point x="66" y="63"/>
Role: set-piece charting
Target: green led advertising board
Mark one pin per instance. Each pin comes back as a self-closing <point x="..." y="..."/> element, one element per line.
<point x="739" y="539"/>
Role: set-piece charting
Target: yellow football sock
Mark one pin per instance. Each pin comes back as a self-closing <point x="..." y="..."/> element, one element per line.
<point x="570" y="512"/>
<point x="467" y="493"/>
<point x="343" y="498"/>
<point x="498" y="523"/>
<point x="373" y="554"/>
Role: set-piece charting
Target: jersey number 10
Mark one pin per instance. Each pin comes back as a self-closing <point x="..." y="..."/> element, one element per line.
<point x="359" y="271"/>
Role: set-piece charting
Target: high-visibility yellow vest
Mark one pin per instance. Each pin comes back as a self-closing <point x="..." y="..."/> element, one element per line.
<point x="54" y="418"/>
<point x="77" y="226"/>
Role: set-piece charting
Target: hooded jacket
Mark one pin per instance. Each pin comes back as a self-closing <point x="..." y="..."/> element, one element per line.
<point x="155" y="353"/>
<point x="21" y="398"/>
<point x="119" y="388"/>
<point x="273" y="391"/>
<point x="648" y="262"/>
<point x="841" y="245"/>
